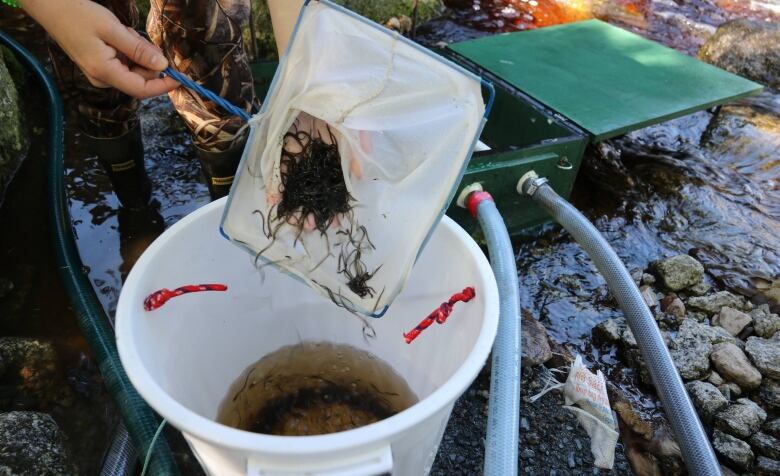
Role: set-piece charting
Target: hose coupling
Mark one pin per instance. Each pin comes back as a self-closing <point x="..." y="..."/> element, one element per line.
<point x="530" y="183"/>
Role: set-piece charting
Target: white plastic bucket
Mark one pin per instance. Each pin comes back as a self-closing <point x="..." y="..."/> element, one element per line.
<point x="184" y="356"/>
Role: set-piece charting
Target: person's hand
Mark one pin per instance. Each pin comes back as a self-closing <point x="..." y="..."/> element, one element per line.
<point x="107" y="52"/>
<point x="313" y="128"/>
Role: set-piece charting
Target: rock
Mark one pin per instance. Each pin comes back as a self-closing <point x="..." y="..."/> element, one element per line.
<point x="30" y="362"/>
<point x="535" y="343"/>
<point x="765" y="354"/>
<point x="731" y="320"/>
<point x="649" y="296"/>
<point x="691" y="348"/>
<point x="609" y="331"/>
<point x="747" y="48"/>
<point x="767" y="467"/>
<point x="692" y="362"/>
<point x="735" y="451"/>
<point x="765" y="324"/>
<point x="699" y="289"/>
<point x="679" y="272"/>
<point x="31" y="443"/>
<point x="706" y="398"/>
<point x="734" y="366"/>
<point x="730" y="390"/>
<point x="13" y="139"/>
<point x="715" y="378"/>
<point x="740" y="419"/>
<point x="714" y="302"/>
<point x="673" y="306"/>
<point x="773" y="294"/>
<point x="690" y="329"/>
<point x="772" y="427"/>
<point x="614" y="331"/>
<point x="770" y="393"/>
<point x="648" y="279"/>
<point x="765" y="445"/>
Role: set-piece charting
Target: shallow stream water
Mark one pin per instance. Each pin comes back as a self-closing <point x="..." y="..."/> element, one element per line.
<point x="705" y="184"/>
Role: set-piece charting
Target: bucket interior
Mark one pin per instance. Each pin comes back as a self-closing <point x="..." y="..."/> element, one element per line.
<point x="195" y="346"/>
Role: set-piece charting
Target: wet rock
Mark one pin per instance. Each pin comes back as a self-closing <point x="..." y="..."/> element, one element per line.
<point x="767" y="467"/>
<point x="740" y="419"/>
<point x="699" y="289"/>
<point x="715" y="378"/>
<point x="730" y="390"/>
<point x="714" y="302"/>
<point x="736" y="452"/>
<point x="30" y="363"/>
<point x="748" y="48"/>
<point x="773" y="294"/>
<point x="770" y="393"/>
<point x="31" y="443"/>
<point x="733" y="365"/>
<point x="772" y="427"/>
<point x="609" y="331"/>
<point x="765" y="354"/>
<point x="614" y="331"/>
<point x="535" y="343"/>
<point x="673" y="306"/>
<point x="649" y="296"/>
<point x="12" y="134"/>
<point x="732" y="320"/>
<point x="706" y="398"/>
<point x="765" y="324"/>
<point x="765" y="445"/>
<point x="679" y="272"/>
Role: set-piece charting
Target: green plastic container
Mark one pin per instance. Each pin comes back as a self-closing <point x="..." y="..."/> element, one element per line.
<point x="560" y="88"/>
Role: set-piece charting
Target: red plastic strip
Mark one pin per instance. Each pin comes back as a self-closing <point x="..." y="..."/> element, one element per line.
<point x="440" y="314"/>
<point x="158" y="298"/>
<point x="473" y="201"/>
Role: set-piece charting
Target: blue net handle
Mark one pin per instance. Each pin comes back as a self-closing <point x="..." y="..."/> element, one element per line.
<point x="190" y="84"/>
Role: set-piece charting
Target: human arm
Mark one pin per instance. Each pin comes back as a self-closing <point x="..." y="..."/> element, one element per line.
<point x="107" y="52"/>
<point x="284" y="14"/>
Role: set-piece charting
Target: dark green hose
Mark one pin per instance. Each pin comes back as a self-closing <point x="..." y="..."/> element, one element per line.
<point x="140" y="420"/>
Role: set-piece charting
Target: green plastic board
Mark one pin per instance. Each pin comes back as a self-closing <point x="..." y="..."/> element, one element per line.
<point x="605" y="79"/>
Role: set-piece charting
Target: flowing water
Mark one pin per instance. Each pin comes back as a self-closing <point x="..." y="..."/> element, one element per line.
<point x="705" y="184"/>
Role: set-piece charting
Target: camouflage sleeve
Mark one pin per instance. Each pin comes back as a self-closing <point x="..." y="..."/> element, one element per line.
<point x="203" y="39"/>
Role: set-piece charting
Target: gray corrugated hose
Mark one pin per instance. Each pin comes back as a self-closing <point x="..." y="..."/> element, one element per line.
<point x="695" y="447"/>
<point x="121" y="458"/>
<point x="503" y="426"/>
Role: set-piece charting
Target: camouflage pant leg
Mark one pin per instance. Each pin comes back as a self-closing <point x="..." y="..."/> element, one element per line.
<point x="102" y="112"/>
<point x="202" y="39"/>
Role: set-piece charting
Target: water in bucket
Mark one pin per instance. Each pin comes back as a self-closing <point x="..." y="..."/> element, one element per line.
<point x="314" y="388"/>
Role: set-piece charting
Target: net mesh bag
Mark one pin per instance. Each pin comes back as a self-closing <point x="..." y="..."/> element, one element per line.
<point x="353" y="158"/>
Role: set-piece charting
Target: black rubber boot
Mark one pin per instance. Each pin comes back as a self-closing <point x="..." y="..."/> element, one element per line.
<point x="220" y="168"/>
<point x="123" y="159"/>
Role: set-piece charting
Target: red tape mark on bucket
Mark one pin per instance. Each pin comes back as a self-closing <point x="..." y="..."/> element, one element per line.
<point x="158" y="298"/>
<point x="440" y="314"/>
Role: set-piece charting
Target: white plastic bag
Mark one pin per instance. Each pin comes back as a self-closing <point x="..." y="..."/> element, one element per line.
<point x="407" y="117"/>
<point x="588" y="391"/>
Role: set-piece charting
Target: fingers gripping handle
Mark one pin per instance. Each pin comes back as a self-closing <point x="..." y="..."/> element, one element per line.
<point x="363" y="463"/>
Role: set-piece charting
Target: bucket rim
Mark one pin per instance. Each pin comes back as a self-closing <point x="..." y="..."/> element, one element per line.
<point x="376" y="434"/>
